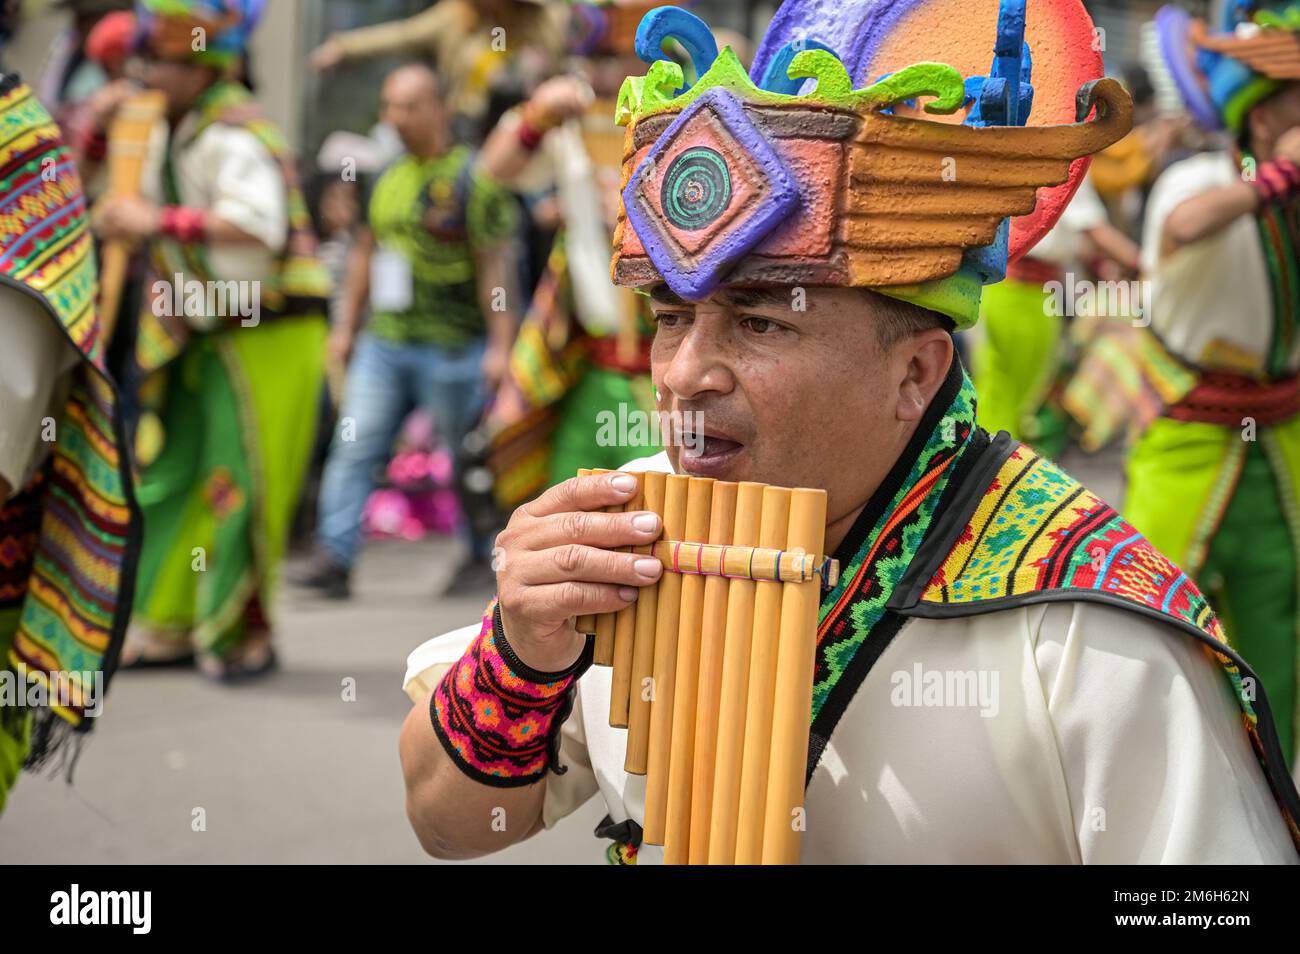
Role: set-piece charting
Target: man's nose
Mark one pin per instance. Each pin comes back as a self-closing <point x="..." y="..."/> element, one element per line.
<point x="696" y="368"/>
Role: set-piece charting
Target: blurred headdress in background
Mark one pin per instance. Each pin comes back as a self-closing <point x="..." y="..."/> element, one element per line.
<point x="1221" y="74"/>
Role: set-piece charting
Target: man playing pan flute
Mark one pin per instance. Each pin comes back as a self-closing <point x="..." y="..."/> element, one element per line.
<point x="809" y="253"/>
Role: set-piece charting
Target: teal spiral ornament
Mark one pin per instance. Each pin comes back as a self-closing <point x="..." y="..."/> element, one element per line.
<point x="696" y="189"/>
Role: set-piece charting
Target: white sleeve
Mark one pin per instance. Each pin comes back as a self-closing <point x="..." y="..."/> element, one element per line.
<point x="248" y="188"/>
<point x="1085" y="211"/>
<point x="1156" y="762"/>
<point x="1180" y="182"/>
<point x="33" y="365"/>
<point x="428" y="662"/>
<point x="566" y="793"/>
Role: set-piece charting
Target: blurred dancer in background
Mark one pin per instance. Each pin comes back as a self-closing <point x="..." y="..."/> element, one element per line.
<point x="580" y="366"/>
<point x="1214" y="479"/>
<point x="437" y="267"/>
<point x="1018" y="365"/>
<point x="229" y="349"/>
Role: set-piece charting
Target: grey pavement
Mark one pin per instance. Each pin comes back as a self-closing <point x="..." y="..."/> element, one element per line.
<point x="283" y="769"/>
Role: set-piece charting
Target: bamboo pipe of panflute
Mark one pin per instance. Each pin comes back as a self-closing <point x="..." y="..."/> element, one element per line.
<point x="792" y="697"/>
<point x="603" y="654"/>
<point x="733" y="687"/>
<point x="624" y="630"/>
<point x="681" y="748"/>
<point x="643" y="648"/>
<point x="773" y="532"/>
<point x="585" y="624"/>
<point x="713" y="625"/>
<point x="128" y="154"/>
<point x="668" y="616"/>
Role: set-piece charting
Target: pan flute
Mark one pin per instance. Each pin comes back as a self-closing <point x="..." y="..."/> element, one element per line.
<point x="129" y="140"/>
<point x="713" y="666"/>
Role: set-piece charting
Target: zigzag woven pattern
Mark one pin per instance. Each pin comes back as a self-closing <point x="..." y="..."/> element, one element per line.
<point x="1038" y="529"/>
<point x="44" y="242"/>
<point x="71" y="600"/>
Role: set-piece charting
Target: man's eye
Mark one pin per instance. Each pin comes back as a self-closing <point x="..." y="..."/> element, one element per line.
<point x="667" y="319"/>
<point x="760" y="325"/>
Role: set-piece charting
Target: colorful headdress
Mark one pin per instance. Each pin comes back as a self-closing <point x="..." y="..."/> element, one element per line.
<point x="755" y="179"/>
<point x="1221" y="76"/>
<point x="211" y="32"/>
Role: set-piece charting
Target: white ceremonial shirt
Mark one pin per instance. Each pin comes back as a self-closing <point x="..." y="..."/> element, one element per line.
<point x="227" y="171"/>
<point x="1089" y="734"/>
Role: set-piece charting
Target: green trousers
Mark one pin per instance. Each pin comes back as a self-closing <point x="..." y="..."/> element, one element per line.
<point x="580" y="440"/>
<point x="1222" y="507"/>
<point x="1016" y="365"/>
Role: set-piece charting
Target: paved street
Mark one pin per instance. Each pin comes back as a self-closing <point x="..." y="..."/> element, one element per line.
<point x="284" y="769"/>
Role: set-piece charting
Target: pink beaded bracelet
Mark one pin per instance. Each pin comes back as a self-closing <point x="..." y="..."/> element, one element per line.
<point x="497" y="718"/>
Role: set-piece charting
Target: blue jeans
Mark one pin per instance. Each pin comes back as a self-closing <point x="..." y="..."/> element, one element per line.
<point x="386" y="381"/>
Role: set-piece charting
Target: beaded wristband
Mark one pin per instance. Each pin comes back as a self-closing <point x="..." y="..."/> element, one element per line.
<point x="499" y="719"/>
<point x="529" y="137"/>
<point x="93" y="144"/>
<point x="1277" y="180"/>
<point x="183" y="223"/>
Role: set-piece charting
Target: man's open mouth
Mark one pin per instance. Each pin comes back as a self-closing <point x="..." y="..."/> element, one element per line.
<point x="707" y="455"/>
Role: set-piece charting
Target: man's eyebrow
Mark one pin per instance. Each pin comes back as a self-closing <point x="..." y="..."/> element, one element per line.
<point x="756" y="297"/>
<point x="663" y="295"/>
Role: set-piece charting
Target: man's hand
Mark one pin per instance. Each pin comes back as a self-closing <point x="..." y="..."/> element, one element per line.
<point x="560" y="97"/>
<point x="106" y="101"/>
<point x="326" y="56"/>
<point x="1288" y="145"/>
<point x="496" y="362"/>
<point x="339" y="347"/>
<point x="126" y="217"/>
<point x="556" y="560"/>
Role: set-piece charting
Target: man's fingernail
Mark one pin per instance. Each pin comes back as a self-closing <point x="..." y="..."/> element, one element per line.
<point x="648" y="567"/>
<point x="646" y="522"/>
<point x="627" y="594"/>
<point x="623" y="483"/>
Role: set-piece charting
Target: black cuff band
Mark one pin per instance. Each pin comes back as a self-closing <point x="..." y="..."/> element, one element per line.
<point x="523" y="670"/>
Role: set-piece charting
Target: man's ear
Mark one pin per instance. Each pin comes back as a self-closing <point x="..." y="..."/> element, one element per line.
<point x="928" y="356"/>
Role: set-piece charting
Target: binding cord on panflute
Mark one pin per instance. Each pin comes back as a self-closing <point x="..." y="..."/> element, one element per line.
<point x="746" y="563"/>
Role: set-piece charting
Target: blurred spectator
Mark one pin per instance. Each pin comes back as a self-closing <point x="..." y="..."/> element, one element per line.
<point x="467" y="43"/>
<point x="435" y="262"/>
<point x="221" y="444"/>
<point x="71" y="75"/>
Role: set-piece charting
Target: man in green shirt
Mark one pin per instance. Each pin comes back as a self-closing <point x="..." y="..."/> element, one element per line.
<point x="435" y="267"/>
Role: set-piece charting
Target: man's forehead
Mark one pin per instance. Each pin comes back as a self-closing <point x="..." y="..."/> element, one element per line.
<point x="731" y="297"/>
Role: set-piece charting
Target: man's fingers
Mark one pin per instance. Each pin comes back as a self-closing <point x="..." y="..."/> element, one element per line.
<point x="589" y="564"/>
<point x="606" y="531"/>
<point x="584" y="493"/>
<point x="559" y="601"/>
